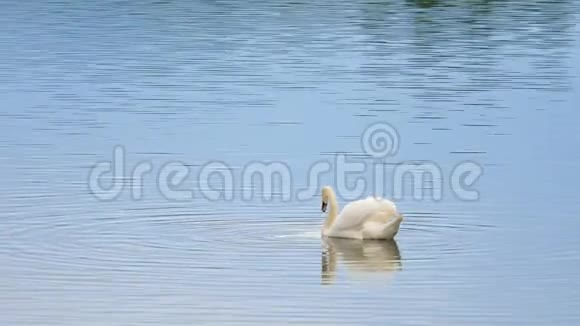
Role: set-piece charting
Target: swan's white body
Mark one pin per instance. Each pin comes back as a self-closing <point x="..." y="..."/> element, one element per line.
<point x="370" y="218"/>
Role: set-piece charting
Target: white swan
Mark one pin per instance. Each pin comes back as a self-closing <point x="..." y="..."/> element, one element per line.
<point x="370" y="218"/>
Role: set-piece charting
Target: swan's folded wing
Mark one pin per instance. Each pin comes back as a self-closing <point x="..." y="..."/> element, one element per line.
<point x="354" y="214"/>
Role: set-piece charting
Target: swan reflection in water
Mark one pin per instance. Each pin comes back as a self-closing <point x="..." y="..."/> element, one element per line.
<point x="360" y="258"/>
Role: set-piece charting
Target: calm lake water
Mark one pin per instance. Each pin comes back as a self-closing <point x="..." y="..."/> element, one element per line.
<point x="215" y="88"/>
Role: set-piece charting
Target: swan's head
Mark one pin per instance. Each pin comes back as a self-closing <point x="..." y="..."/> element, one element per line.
<point x="326" y="194"/>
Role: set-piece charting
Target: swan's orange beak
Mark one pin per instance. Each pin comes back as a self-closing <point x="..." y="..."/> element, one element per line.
<point x="324" y="207"/>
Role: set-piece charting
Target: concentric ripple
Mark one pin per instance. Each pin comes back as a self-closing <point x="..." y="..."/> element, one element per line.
<point x="180" y="238"/>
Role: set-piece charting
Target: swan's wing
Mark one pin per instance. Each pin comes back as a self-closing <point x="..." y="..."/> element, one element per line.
<point x="354" y="214"/>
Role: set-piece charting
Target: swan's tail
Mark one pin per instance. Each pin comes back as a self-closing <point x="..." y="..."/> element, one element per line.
<point x="391" y="229"/>
<point x="384" y="227"/>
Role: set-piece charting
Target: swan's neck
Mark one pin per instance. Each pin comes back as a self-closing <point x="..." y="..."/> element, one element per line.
<point x="332" y="210"/>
